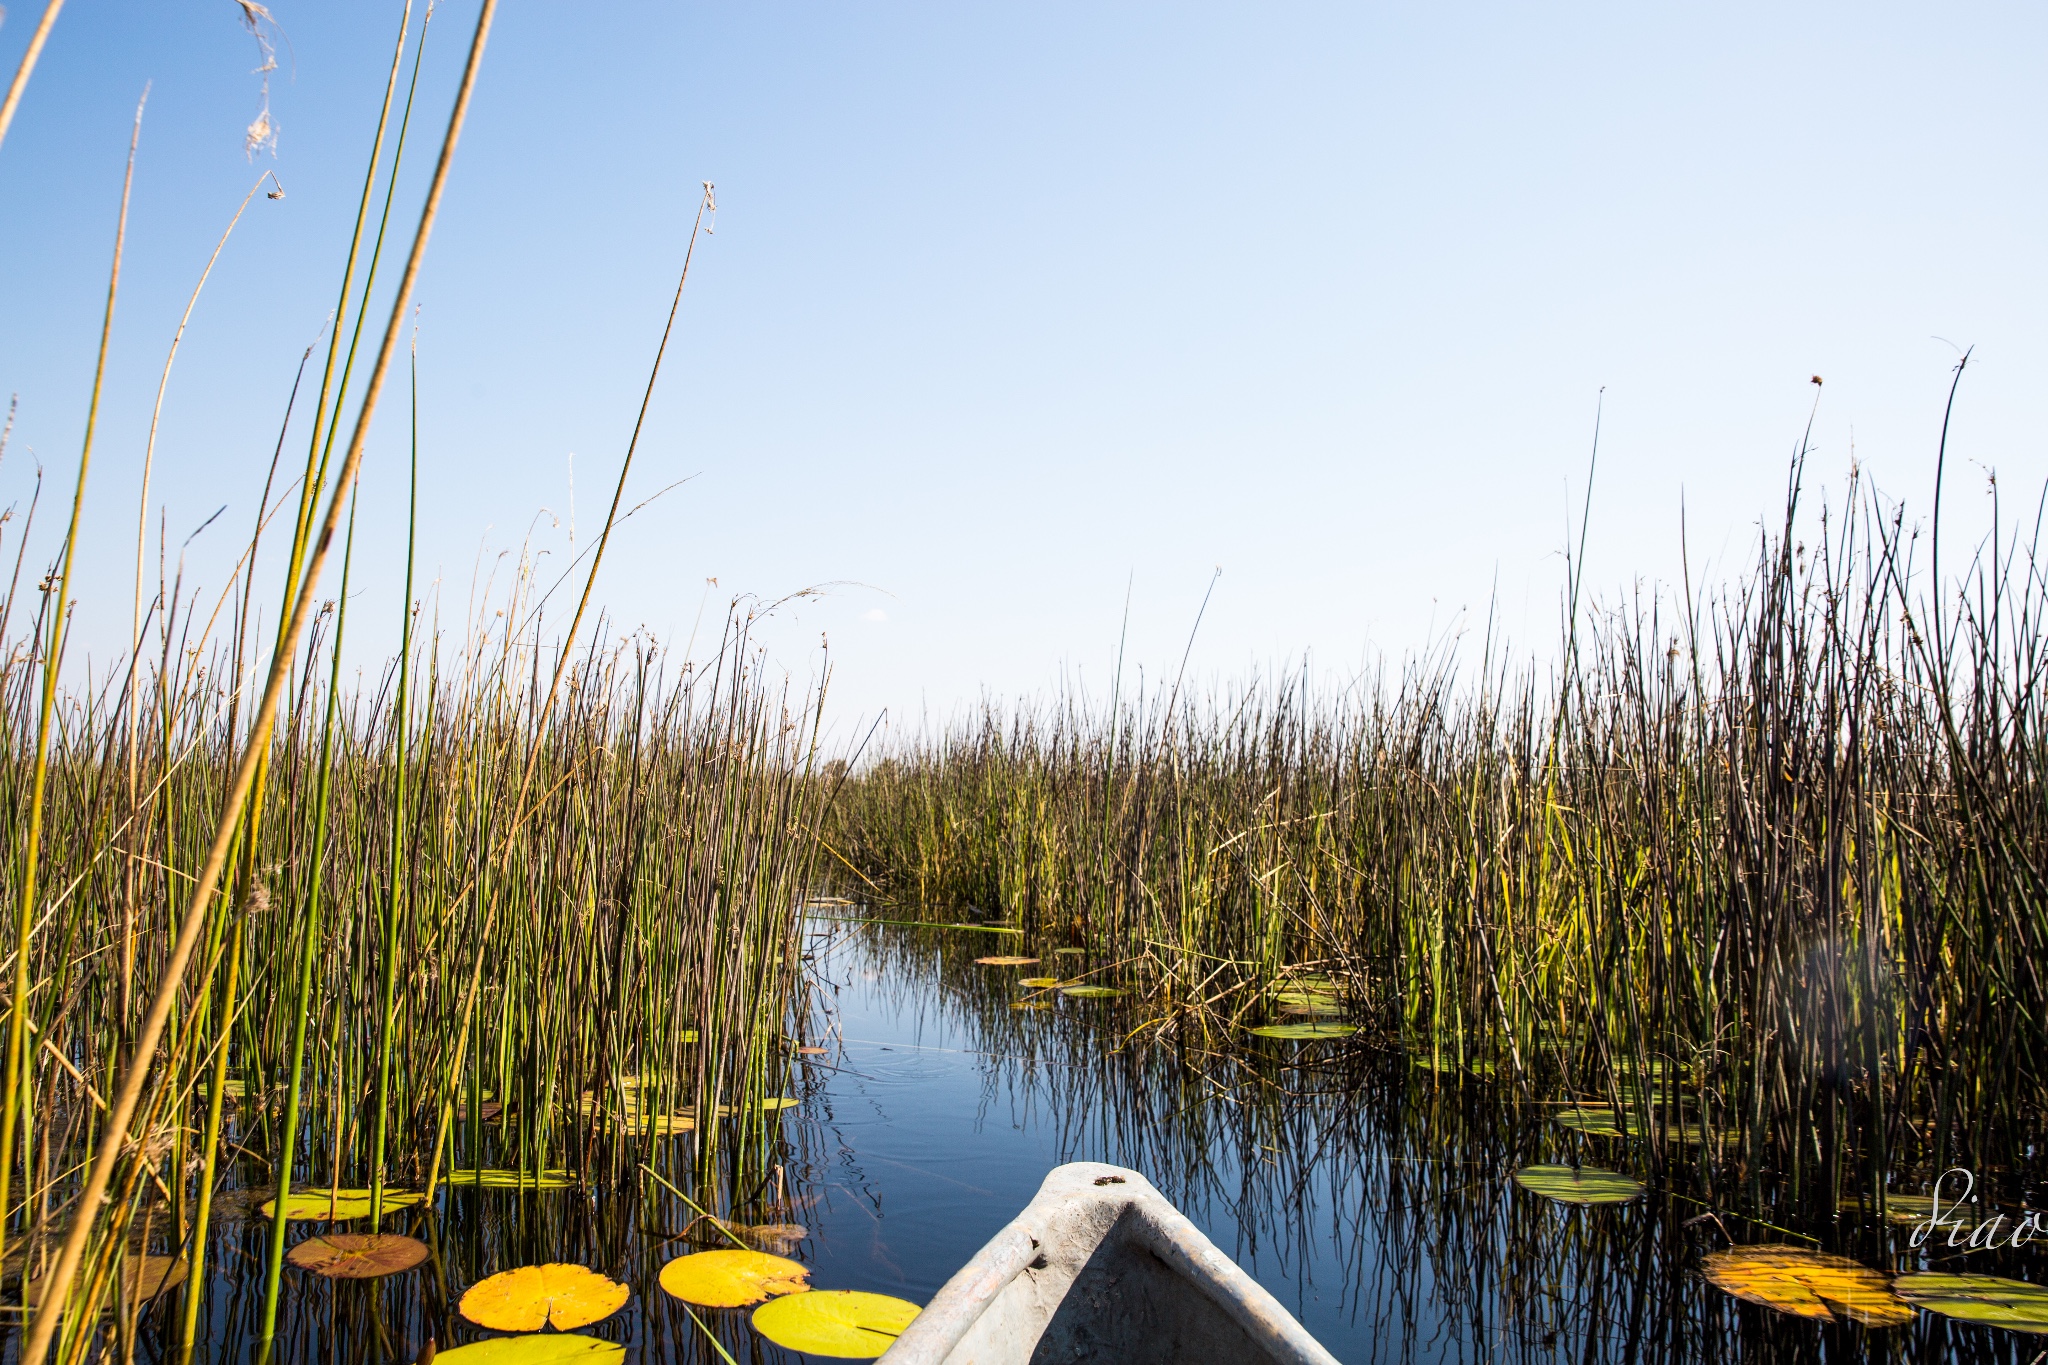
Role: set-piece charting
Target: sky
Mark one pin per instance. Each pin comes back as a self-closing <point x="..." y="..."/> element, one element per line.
<point x="1019" y="323"/>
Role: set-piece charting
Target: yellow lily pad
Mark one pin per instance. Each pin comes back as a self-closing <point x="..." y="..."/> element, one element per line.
<point x="733" y="1279"/>
<point x="335" y="1206"/>
<point x="554" y="1348"/>
<point x="356" y="1255"/>
<point x="536" y="1296"/>
<point x="1579" y="1184"/>
<point x="1808" y="1284"/>
<point x="1090" y="992"/>
<point x="775" y="1104"/>
<point x="1303" y="1031"/>
<point x="1991" y="1300"/>
<point x="844" y="1323"/>
<point x="1039" y="983"/>
<point x="1006" y="962"/>
<point x="1031" y="1005"/>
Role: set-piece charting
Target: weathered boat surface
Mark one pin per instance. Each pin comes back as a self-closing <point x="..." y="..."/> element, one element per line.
<point x="1100" y="1267"/>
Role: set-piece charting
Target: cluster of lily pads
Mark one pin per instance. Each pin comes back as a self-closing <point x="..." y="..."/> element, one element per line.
<point x="542" y="1305"/>
<point x="1818" y="1285"/>
<point x="1043" y="988"/>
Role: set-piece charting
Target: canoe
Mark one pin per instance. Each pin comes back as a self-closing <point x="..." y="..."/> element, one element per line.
<point x="1100" y="1267"/>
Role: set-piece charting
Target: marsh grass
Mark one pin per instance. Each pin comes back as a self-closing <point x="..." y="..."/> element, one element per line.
<point x="1766" y="862"/>
<point x="469" y="903"/>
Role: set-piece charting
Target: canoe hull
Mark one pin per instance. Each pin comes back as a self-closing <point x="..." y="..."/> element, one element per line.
<point x="1100" y="1267"/>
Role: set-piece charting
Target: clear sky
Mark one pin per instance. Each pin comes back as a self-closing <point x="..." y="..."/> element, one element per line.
<point x="1012" y="307"/>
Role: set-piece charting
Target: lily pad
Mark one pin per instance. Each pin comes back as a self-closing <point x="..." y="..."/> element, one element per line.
<point x="1031" y="1005"/>
<point x="1593" y="1120"/>
<point x="1090" y="992"/>
<point x="1006" y="962"/>
<point x="1992" y="1300"/>
<point x="844" y="1323"/>
<point x="357" y="1255"/>
<point x="1809" y="1284"/>
<point x="1579" y="1184"/>
<point x="733" y="1279"/>
<point x="144" y="1277"/>
<point x="496" y="1179"/>
<point x="536" y="1296"/>
<point x="1305" y="1031"/>
<point x="554" y="1348"/>
<point x="1071" y="952"/>
<point x="1039" y="983"/>
<point x="775" y="1104"/>
<point x="335" y="1206"/>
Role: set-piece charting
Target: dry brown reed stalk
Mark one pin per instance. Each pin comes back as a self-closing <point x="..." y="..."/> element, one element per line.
<point x="19" y="84"/>
<point x="136" y="1075"/>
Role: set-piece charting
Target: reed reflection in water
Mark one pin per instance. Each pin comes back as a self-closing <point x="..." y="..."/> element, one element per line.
<point x="1373" y="1196"/>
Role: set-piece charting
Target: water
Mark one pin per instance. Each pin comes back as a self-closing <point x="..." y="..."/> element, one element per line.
<point x="1370" y="1195"/>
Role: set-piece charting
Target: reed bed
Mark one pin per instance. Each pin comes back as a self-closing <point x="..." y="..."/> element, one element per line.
<point x="411" y="986"/>
<point x="1760" y="868"/>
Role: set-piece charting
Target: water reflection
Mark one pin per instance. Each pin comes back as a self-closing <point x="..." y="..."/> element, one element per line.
<point x="1372" y="1196"/>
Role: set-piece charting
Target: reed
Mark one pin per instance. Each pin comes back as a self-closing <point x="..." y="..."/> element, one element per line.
<point x="1766" y="860"/>
<point x="517" y="900"/>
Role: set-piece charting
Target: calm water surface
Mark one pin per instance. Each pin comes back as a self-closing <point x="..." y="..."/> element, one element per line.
<point x="1371" y="1195"/>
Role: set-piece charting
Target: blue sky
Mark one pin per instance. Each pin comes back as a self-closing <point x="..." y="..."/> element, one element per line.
<point x="1011" y="307"/>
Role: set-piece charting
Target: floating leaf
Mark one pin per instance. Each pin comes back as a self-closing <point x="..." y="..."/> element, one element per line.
<point x="1808" y="1284"/>
<point x="1318" y="1008"/>
<point x="808" y="1051"/>
<point x="537" y="1296"/>
<point x="357" y="1255"/>
<point x="775" y="1104"/>
<point x="1071" y="952"/>
<point x="1006" y="962"/>
<point x="1305" y="1031"/>
<point x="552" y="1349"/>
<point x="1032" y="1005"/>
<point x="1039" y="983"/>
<point x="732" y="1279"/>
<point x="1579" y="1184"/>
<point x="1989" y="1299"/>
<point x="1597" y="1122"/>
<point x="143" y="1277"/>
<point x="336" y="1206"/>
<point x="495" y="1179"/>
<point x="1090" y="992"/>
<point x="845" y="1323"/>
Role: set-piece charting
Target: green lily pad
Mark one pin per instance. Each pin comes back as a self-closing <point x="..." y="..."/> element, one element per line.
<point x="844" y="1323"/>
<point x="1591" y="1120"/>
<point x="1031" y="1005"/>
<point x="1071" y="952"/>
<point x="776" y="1104"/>
<point x="1579" y="1184"/>
<point x="1039" y="983"/>
<point x="336" y="1206"/>
<point x="1991" y="1300"/>
<point x="550" y="1348"/>
<point x="1305" y="1031"/>
<point x="497" y="1179"/>
<point x="1090" y="992"/>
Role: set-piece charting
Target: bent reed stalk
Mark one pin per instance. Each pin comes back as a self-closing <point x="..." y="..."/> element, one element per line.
<point x="1763" y="871"/>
